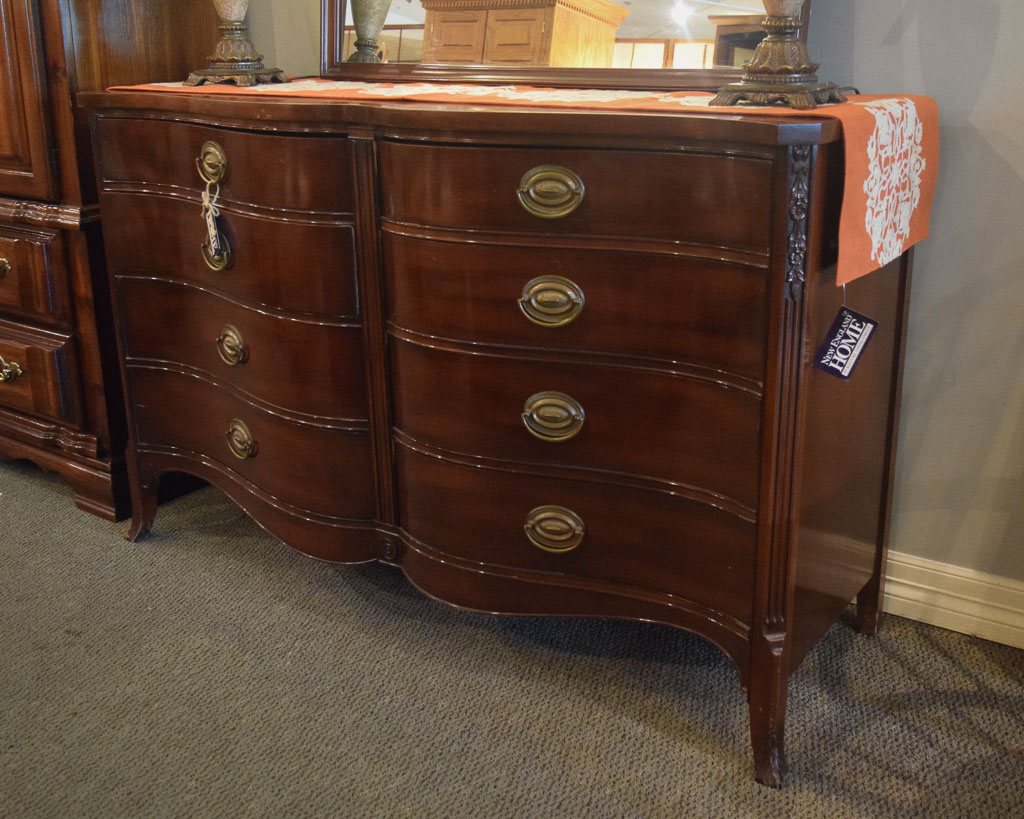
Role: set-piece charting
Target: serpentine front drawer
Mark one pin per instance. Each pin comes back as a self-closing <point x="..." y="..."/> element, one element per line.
<point x="703" y="313"/>
<point x="704" y="199"/>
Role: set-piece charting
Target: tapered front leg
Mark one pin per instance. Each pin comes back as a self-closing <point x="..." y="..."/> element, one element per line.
<point x="145" y="494"/>
<point x="766" y="695"/>
<point x="869" y="606"/>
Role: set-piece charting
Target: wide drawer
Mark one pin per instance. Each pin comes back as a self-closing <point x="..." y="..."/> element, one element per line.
<point x="697" y="311"/>
<point x="39" y="372"/>
<point x="306" y="365"/>
<point x="706" y="199"/>
<point x="291" y="265"/>
<point x="636" y="537"/>
<point x="269" y="170"/>
<point x="33" y="281"/>
<point x="316" y="468"/>
<point x="644" y="423"/>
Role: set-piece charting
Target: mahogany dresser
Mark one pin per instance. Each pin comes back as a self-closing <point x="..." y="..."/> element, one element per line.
<point x="60" y="390"/>
<point x="546" y="362"/>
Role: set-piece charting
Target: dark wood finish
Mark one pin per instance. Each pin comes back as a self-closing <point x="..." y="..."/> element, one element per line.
<point x="46" y="363"/>
<point x="724" y="485"/>
<point x="50" y="50"/>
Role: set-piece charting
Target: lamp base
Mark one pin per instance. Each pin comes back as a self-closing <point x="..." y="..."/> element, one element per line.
<point x="780" y="71"/>
<point x="235" y="60"/>
<point x="243" y="75"/>
<point x="804" y="93"/>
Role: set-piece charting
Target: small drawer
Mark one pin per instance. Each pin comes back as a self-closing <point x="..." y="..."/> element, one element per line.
<point x="703" y="312"/>
<point x="644" y="423"/>
<point x="265" y="170"/>
<point x="295" y="266"/>
<point x="33" y="281"/>
<point x="305" y="365"/>
<point x="521" y="520"/>
<point x="38" y="372"/>
<point x="717" y="200"/>
<point x="315" y="468"/>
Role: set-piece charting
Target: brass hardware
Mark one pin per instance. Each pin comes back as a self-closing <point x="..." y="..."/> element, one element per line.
<point x="231" y="347"/>
<point x="780" y="69"/>
<point x="212" y="163"/>
<point x="550" y="191"/>
<point x="221" y="260"/>
<point x="5" y="267"/>
<point x="553" y="416"/>
<point x="240" y="440"/>
<point x="554" y="529"/>
<point x="9" y="370"/>
<point x="551" y="301"/>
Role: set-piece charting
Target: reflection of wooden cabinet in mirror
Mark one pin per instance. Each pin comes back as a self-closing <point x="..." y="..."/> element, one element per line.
<point x="578" y="33"/>
<point x="60" y="392"/>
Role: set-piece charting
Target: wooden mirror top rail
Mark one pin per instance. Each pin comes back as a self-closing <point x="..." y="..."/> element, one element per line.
<point x="333" y="65"/>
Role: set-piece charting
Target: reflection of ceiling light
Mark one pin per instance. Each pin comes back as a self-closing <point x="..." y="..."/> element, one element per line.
<point x="681" y="12"/>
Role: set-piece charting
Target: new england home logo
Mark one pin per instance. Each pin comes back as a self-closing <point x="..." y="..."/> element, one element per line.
<point x="844" y="343"/>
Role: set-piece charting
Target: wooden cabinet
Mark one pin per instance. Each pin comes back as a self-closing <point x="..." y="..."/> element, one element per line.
<point x="545" y="363"/>
<point x="60" y="396"/>
<point x="578" y="33"/>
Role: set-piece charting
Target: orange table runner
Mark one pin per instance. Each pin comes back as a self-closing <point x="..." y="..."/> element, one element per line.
<point x="891" y="144"/>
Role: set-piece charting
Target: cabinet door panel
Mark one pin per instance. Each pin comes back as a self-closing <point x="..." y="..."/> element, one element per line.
<point x="515" y="37"/>
<point x="24" y="168"/>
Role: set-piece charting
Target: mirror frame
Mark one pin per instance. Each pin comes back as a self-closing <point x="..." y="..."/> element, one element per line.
<point x="332" y="23"/>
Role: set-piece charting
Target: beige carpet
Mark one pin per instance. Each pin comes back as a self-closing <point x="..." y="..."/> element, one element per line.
<point x="211" y="672"/>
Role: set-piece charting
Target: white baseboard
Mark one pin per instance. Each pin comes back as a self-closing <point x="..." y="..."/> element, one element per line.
<point x="952" y="597"/>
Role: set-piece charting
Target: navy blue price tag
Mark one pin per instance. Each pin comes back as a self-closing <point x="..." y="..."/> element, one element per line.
<point x="845" y="343"/>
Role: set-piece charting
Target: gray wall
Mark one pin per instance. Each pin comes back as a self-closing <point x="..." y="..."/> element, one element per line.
<point x="960" y="475"/>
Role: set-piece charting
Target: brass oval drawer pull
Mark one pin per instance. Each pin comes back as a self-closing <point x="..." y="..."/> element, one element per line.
<point x="231" y="347"/>
<point x="553" y="416"/>
<point x="212" y="163"/>
<point x="217" y="261"/>
<point x="9" y="370"/>
<point x="554" y="529"/>
<point x="5" y="267"/>
<point x="240" y="440"/>
<point x="551" y="301"/>
<point x="550" y="191"/>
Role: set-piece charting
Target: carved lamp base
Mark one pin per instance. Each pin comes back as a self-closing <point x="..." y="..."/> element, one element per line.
<point x="235" y="60"/>
<point x="802" y="94"/>
<point x="780" y="70"/>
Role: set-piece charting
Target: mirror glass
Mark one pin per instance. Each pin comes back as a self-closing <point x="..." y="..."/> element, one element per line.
<point x="638" y="34"/>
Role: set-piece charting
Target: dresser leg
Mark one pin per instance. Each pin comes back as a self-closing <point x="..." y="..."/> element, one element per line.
<point x="766" y="695"/>
<point x="145" y="496"/>
<point x="869" y="607"/>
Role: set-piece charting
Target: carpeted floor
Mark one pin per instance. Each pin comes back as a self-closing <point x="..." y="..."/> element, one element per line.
<point x="209" y="671"/>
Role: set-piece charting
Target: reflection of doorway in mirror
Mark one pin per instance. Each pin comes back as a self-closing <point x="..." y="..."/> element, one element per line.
<point x="651" y="34"/>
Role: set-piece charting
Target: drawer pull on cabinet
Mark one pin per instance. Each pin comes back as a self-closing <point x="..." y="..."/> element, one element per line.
<point x="554" y="529"/>
<point x="553" y="416"/>
<point x="212" y="163"/>
<point x="240" y="440"/>
<point x="551" y="301"/>
<point x="5" y="267"/>
<point x="550" y="191"/>
<point x="231" y="347"/>
<point x="9" y="370"/>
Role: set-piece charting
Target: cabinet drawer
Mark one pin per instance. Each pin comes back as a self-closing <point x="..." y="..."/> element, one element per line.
<point x="722" y="201"/>
<point x="304" y="365"/>
<point x="288" y="265"/>
<point x="260" y="169"/>
<point x="636" y="537"/>
<point x="38" y="372"/>
<point x="697" y="311"/>
<point x="316" y="468"/>
<point x="32" y="276"/>
<point x="643" y="423"/>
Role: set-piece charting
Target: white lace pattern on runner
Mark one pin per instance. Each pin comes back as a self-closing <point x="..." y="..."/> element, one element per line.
<point x="893" y="186"/>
